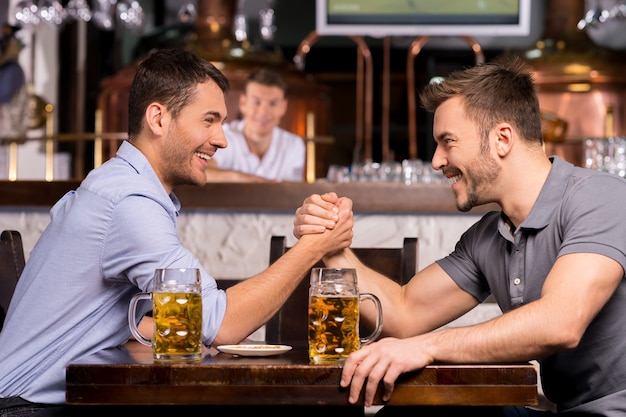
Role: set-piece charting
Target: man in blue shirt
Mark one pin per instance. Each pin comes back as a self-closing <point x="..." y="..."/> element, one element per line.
<point x="106" y="238"/>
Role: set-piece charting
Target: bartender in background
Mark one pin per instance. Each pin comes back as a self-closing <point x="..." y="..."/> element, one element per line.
<point x="258" y="150"/>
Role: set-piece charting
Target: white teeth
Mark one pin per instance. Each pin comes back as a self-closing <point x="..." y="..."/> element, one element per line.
<point x="203" y="156"/>
<point x="454" y="179"/>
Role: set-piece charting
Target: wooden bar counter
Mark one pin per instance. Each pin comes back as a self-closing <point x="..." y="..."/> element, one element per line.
<point x="367" y="197"/>
<point x="129" y="376"/>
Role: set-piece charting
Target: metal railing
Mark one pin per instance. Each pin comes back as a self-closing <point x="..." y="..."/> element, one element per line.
<point x="51" y="139"/>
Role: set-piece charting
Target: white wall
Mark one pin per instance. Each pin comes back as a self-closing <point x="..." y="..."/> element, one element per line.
<point x="236" y="245"/>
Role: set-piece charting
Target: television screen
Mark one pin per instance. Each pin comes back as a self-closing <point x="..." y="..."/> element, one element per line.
<point x="378" y="18"/>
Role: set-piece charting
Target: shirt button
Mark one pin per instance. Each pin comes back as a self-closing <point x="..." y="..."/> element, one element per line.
<point x="517" y="281"/>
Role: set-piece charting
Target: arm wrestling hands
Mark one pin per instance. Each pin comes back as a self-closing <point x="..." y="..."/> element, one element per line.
<point x="382" y="361"/>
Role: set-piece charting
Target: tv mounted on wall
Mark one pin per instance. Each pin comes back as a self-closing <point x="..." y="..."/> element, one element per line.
<point x="375" y="18"/>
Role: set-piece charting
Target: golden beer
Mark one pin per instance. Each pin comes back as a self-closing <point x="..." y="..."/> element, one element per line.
<point x="178" y="325"/>
<point x="333" y="327"/>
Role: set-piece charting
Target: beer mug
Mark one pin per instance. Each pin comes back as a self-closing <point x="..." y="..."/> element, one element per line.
<point x="334" y="301"/>
<point x="177" y="312"/>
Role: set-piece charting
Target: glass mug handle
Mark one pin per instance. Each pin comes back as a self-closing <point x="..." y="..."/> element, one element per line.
<point x="132" y="318"/>
<point x="378" y="328"/>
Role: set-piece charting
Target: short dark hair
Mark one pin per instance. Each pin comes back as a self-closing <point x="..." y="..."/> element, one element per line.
<point x="170" y="77"/>
<point x="268" y="77"/>
<point x="501" y="90"/>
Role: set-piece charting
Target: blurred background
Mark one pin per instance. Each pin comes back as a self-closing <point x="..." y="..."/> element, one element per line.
<point x="354" y="95"/>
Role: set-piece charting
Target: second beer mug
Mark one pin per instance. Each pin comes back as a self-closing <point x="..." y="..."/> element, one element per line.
<point x="177" y="313"/>
<point x="334" y="315"/>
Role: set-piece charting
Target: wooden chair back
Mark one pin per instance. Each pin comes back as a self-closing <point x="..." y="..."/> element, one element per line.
<point x="290" y="323"/>
<point x="12" y="264"/>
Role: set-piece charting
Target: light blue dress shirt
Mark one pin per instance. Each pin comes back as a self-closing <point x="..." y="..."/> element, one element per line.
<point x="103" y="243"/>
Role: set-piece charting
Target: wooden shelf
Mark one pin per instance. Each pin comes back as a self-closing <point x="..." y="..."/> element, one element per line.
<point x="367" y="197"/>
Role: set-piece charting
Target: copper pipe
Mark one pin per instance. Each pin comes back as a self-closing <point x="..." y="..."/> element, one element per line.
<point x="414" y="50"/>
<point x="479" y="57"/>
<point x="369" y="95"/>
<point x="310" y="148"/>
<point x="386" y="81"/>
<point x="97" y="146"/>
<point x="13" y="161"/>
<point x="304" y="48"/>
<point x="50" y="143"/>
<point x="69" y="137"/>
<point x="359" y="102"/>
<point x="364" y="56"/>
<point x="50" y="140"/>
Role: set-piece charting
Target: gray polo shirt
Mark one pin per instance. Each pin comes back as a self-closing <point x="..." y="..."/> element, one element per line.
<point x="578" y="210"/>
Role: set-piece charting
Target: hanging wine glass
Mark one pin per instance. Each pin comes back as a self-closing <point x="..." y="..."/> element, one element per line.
<point x="78" y="10"/>
<point x="51" y="11"/>
<point x="26" y="13"/>
<point x="240" y="23"/>
<point x="266" y="24"/>
<point x="102" y="15"/>
<point x="187" y="13"/>
<point x="130" y="13"/>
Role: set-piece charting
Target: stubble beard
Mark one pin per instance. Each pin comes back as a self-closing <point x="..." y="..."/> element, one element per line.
<point x="483" y="172"/>
<point x="178" y="168"/>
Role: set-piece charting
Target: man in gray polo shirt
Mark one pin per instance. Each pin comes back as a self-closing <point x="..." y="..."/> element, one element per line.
<point x="553" y="258"/>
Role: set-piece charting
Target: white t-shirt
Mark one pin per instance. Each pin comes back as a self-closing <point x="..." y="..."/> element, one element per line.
<point x="283" y="161"/>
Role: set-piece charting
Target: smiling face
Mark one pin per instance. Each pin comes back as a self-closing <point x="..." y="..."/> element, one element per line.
<point x="263" y="108"/>
<point x="463" y="156"/>
<point x="193" y="138"/>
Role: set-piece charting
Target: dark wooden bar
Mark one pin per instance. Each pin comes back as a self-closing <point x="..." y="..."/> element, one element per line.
<point x="367" y="197"/>
<point x="129" y="376"/>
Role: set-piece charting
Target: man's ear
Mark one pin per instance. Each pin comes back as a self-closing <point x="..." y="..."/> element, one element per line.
<point x="242" y="102"/>
<point x="503" y="138"/>
<point x="155" y="118"/>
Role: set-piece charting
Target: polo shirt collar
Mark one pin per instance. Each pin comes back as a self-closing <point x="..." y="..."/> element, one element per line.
<point x="551" y="194"/>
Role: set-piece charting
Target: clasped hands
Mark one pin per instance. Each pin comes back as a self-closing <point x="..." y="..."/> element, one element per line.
<point x="381" y="361"/>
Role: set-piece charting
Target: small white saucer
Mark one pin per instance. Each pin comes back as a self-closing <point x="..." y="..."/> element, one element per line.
<point x="254" y="350"/>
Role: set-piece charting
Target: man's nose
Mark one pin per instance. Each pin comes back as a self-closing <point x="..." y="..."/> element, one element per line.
<point x="439" y="160"/>
<point x="219" y="140"/>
